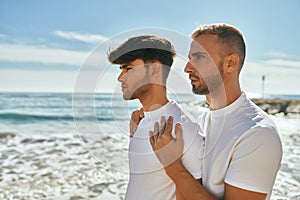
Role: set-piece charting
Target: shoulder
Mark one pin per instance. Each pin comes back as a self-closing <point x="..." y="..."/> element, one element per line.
<point x="265" y="134"/>
<point x="262" y="139"/>
<point x="264" y="128"/>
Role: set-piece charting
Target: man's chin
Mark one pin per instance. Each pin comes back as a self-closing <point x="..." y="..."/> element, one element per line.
<point x="200" y="91"/>
<point x="127" y="97"/>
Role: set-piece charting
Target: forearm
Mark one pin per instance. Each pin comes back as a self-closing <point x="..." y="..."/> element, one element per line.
<point x="179" y="195"/>
<point x="187" y="185"/>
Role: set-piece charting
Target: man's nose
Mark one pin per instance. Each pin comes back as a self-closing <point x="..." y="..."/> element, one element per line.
<point x="121" y="76"/>
<point x="189" y="68"/>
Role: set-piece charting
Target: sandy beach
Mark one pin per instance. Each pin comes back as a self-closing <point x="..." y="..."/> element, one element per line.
<point x="95" y="167"/>
<point x="39" y="167"/>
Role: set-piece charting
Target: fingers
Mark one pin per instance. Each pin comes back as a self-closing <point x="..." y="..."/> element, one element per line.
<point x="166" y="148"/>
<point x="156" y="131"/>
<point x="178" y="132"/>
<point x="169" y="127"/>
<point x="164" y="128"/>
<point x="154" y="135"/>
<point x="141" y="113"/>
<point x="151" y="136"/>
<point x="162" y="125"/>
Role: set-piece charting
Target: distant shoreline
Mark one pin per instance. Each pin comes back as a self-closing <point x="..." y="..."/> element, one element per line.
<point x="271" y="104"/>
<point x="253" y="96"/>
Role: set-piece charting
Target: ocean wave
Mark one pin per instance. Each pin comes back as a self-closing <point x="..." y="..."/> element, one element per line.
<point x="22" y="117"/>
<point x="26" y="117"/>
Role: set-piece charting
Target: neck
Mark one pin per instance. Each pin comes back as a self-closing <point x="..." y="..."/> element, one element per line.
<point x="223" y="96"/>
<point x="155" y="98"/>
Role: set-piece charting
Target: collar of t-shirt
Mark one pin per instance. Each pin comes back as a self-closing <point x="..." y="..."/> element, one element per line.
<point x="230" y="108"/>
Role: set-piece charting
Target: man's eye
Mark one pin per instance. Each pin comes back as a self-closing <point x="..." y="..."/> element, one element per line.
<point x="198" y="57"/>
<point x="123" y="66"/>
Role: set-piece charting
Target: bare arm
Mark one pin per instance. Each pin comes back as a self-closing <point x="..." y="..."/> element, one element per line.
<point x="235" y="193"/>
<point x="179" y="196"/>
<point x="169" y="152"/>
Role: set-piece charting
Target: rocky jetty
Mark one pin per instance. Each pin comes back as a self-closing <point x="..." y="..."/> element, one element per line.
<point x="271" y="106"/>
<point x="274" y="106"/>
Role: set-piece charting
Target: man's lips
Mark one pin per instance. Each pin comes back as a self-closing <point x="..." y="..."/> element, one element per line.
<point x="194" y="78"/>
<point x="123" y="86"/>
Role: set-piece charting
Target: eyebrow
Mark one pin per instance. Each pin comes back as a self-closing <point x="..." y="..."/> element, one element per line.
<point x="199" y="53"/>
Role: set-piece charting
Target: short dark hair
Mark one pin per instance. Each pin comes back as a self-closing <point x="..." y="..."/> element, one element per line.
<point x="148" y="48"/>
<point x="228" y="35"/>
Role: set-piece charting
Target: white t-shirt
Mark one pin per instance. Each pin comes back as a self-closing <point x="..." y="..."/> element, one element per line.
<point x="242" y="148"/>
<point x="148" y="179"/>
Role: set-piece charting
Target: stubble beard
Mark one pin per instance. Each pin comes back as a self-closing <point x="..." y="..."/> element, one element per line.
<point x="208" y="84"/>
<point x="142" y="88"/>
<point x="137" y="93"/>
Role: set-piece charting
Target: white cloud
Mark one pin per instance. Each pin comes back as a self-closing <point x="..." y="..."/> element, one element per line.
<point x="88" y="38"/>
<point x="279" y="80"/>
<point x="39" y="54"/>
<point x="2" y="36"/>
<point x="283" y="63"/>
<point x="277" y="54"/>
<point x="29" y="80"/>
<point x="57" y="81"/>
<point x="281" y="55"/>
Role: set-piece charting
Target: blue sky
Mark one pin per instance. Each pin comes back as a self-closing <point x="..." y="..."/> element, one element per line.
<point x="44" y="44"/>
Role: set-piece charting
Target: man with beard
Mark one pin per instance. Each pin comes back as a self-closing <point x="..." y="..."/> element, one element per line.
<point x="243" y="151"/>
<point x="145" y="62"/>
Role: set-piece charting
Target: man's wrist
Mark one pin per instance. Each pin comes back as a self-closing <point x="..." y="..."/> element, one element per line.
<point x="175" y="170"/>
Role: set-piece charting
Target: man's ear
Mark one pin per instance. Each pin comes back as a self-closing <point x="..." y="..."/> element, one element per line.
<point x="155" y="70"/>
<point x="232" y="63"/>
